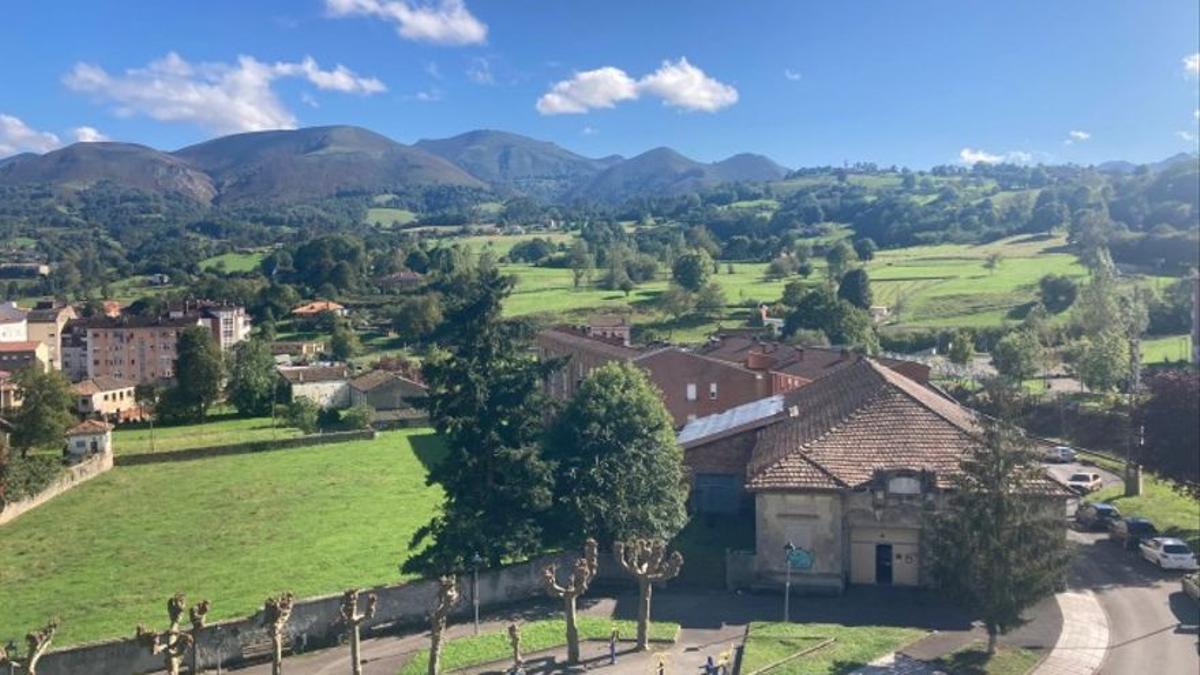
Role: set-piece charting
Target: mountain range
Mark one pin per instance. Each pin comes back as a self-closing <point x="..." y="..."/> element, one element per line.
<point x="318" y="162"/>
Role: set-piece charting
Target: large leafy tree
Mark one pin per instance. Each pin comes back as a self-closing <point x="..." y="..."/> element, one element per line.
<point x="199" y="368"/>
<point x="855" y="288"/>
<point x="618" y="470"/>
<point x="485" y="399"/>
<point x="692" y="269"/>
<point x="1169" y="417"/>
<point x="1017" y="355"/>
<point x="1000" y="546"/>
<point x="252" y="379"/>
<point x="45" y="412"/>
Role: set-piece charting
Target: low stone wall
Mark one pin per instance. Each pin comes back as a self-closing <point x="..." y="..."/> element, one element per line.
<point x="75" y="475"/>
<point x="245" y="448"/>
<point x="315" y="622"/>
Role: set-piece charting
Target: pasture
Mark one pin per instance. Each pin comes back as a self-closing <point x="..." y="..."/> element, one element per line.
<point x="105" y="556"/>
<point x="220" y="429"/>
<point x="233" y="262"/>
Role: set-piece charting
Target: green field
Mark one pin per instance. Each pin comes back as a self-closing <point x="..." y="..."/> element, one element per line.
<point x="501" y="244"/>
<point x="233" y="262"/>
<point x="389" y="217"/>
<point x="927" y="286"/>
<point x="536" y="636"/>
<point x="1175" y="514"/>
<point x="220" y="430"/>
<point x="854" y="646"/>
<point x="234" y="529"/>
<point x="1173" y="348"/>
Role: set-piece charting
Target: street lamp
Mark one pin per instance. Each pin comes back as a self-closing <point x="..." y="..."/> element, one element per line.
<point x="787" y="585"/>
<point x="476" y="561"/>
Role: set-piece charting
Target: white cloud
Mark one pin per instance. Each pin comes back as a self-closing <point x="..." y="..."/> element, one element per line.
<point x="973" y="156"/>
<point x="1187" y="136"/>
<point x="428" y="95"/>
<point x="445" y="22"/>
<point x="1196" y="113"/>
<point x="16" y="136"/>
<point x="793" y="75"/>
<point x="433" y="71"/>
<point x="683" y="85"/>
<point x="1191" y="64"/>
<point x="309" y="100"/>
<point x="1079" y="135"/>
<point x="590" y="131"/>
<point x="480" y="71"/>
<point x="89" y="135"/>
<point x="678" y="84"/>
<point x="599" y="88"/>
<point x="217" y="96"/>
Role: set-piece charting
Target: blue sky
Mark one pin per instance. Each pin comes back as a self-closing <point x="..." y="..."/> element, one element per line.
<point x="911" y="83"/>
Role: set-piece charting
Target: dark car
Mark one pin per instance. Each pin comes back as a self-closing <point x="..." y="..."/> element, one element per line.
<point x="1096" y="516"/>
<point x="1129" y="532"/>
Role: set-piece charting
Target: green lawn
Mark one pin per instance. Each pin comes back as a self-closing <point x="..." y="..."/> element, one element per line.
<point x="221" y="430"/>
<point x="853" y="646"/>
<point x="1175" y="514"/>
<point x="974" y="660"/>
<point x="389" y="217"/>
<point x="106" y="555"/>
<point x="233" y="262"/>
<point x="536" y="636"/>
<point x="1164" y="349"/>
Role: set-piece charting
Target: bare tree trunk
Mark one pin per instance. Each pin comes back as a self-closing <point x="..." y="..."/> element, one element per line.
<point x="645" y="588"/>
<point x="277" y="662"/>
<point x="435" y="653"/>
<point x="355" y="645"/>
<point x="572" y="630"/>
<point x="991" y="643"/>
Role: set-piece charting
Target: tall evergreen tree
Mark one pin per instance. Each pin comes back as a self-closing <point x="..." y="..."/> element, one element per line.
<point x="485" y="399"/>
<point x="618" y="470"/>
<point x="1000" y="545"/>
<point x="855" y="288"/>
<point x="199" y="368"/>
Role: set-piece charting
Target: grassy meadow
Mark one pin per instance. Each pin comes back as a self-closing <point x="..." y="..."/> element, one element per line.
<point x="233" y="262"/>
<point x="1175" y="514"/>
<point x="853" y="646"/>
<point x="234" y="529"/>
<point x="221" y="429"/>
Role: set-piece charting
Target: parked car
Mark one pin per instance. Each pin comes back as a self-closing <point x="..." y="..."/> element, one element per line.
<point x="1084" y="482"/>
<point x="1191" y="586"/>
<point x="1168" y="553"/>
<point x="1096" y="516"/>
<point x="1128" y="532"/>
<point x="1060" y="454"/>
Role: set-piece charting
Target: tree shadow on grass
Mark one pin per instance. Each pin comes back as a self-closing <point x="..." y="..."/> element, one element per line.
<point x="429" y="448"/>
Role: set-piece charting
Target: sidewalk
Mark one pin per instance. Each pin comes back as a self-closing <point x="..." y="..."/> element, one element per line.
<point x="1084" y="639"/>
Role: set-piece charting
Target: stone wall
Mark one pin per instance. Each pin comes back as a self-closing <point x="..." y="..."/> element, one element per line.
<point x="245" y="448"/>
<point x="75" y="475"/>
<point x="314" y="622"/>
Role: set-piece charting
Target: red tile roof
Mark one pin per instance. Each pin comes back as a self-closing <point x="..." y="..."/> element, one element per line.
<point x="89" y="427"/>
<point x="27" y="346"/>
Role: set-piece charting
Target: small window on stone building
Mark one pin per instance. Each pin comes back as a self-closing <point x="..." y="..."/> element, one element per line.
<point x="691" y="391"/>
<point x="712" y="390"/>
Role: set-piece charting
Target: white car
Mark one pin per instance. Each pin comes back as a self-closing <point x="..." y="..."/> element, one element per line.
<point x="1084" y="482"/>
<point x="1168" y="553"/>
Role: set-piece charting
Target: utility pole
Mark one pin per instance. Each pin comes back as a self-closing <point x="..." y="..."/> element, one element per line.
<point x="1133" y="467"/>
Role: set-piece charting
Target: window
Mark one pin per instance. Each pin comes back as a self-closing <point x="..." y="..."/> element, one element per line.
<point x="904" y="485"/>
<point x="691" y="391"/>
<point x="712" y="391"/>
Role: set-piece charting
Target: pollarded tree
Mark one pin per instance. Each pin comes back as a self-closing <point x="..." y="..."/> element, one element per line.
<point x="252" y="378"/>
<point x="447" y="598"/>
<point x="486" y="400"/>
<point x="575" y="586"/>
<point x="36" y="644"/>
<point x="172" y="643"/>
<point x="1000" y="545"/>
<point x="617" y="467"/>
<point x="648" y="562"/>
<point x="276" y="613"/>
<point x="45" y="412"/>
<point x="354" y="619"/>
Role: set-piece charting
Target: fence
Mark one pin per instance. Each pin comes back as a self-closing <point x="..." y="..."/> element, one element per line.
<point x="314" y="623"/>
<point x="244" y="448"/>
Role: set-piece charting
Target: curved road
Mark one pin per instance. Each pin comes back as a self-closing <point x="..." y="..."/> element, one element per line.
<point x="1154" y="628"/>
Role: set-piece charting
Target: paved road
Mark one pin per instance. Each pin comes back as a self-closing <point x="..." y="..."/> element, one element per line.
<point x="1154" y="628"/>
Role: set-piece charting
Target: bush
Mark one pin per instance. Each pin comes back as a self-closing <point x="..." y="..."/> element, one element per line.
<point x="302" y="414"/>
<point x="357" y="417"/>
<point x="21" y="478"/>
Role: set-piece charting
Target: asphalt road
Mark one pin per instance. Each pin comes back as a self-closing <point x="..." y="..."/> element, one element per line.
<point x="1154" y="628"/>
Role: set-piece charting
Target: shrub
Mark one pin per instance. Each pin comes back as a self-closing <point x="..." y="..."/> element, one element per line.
<point x="303" y="414"/>
<point x="21" y="478"/>
<point x="357" y="416"/>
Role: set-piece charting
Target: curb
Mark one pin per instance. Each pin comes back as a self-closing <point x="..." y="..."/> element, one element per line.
<point x="1083" y="642"/>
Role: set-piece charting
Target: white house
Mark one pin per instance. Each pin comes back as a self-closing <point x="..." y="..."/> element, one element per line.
<point x="326" y="385"/>
<point x="88" y="438"/>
